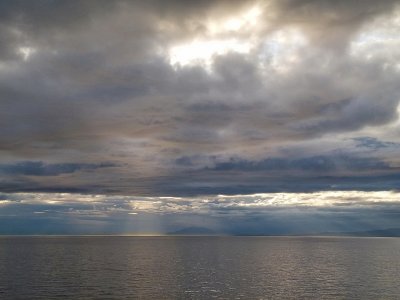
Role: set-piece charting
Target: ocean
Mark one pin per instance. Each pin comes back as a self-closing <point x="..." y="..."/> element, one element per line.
<point x="124" y="267"/>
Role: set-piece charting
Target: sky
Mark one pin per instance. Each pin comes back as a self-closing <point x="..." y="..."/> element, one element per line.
<point x="237" y="117"/>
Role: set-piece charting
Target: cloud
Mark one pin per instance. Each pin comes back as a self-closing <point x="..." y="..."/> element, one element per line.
<point x="130" y="83"/>
<point x="203" y="204"/>
<point x="331" y="24"/>
<point x="267" y="213"/>
<point x="38" y="168"/>
<point x="373" y="143"/>
<point x="324" y="164"/>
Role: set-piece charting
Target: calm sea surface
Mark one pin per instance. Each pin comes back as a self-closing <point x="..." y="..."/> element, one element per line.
<point x="199" y="268"/>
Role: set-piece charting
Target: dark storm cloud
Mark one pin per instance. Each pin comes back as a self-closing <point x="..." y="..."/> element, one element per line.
<point x="374" y="143"/>
<point x="233" y="183"/>
<point x="312" y="164"/>
<point x="337" y="171"/>
<point x="84" y="82"/>
<point x="38" y="168"/>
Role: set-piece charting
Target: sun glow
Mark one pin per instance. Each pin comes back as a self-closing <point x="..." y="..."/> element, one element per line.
<point x="248" y="19"/>
<point x="202" y="52"/>
<point x="26" y="52"/>
<point x="222" y="37"/>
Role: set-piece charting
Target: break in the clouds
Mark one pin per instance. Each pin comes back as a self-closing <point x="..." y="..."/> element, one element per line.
<point x="268" y="213"/>
<point x="198" y="98"/>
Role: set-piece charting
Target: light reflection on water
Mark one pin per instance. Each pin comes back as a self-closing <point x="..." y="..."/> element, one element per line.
<point x="199" y="268"/>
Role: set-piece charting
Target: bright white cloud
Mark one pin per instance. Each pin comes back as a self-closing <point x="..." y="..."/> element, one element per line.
<point x="248" y="19"/>
<point x="134" y="205"/>
<point x="223" y="36"/>
<point x="203" y="51"/>
<point x="26" y="52"/>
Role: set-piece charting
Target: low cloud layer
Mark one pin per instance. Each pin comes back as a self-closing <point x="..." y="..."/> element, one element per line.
<point x="274" y="213"/>
<point x="174" y="98"/>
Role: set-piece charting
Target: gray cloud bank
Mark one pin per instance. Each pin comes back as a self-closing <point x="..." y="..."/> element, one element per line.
<point x="184" y="98"/>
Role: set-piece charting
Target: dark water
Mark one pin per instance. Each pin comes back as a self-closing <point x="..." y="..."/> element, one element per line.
<point x="199" y="268"/>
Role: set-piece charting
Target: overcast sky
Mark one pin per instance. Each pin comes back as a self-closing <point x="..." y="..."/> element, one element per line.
<point x="153" y="107"/>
